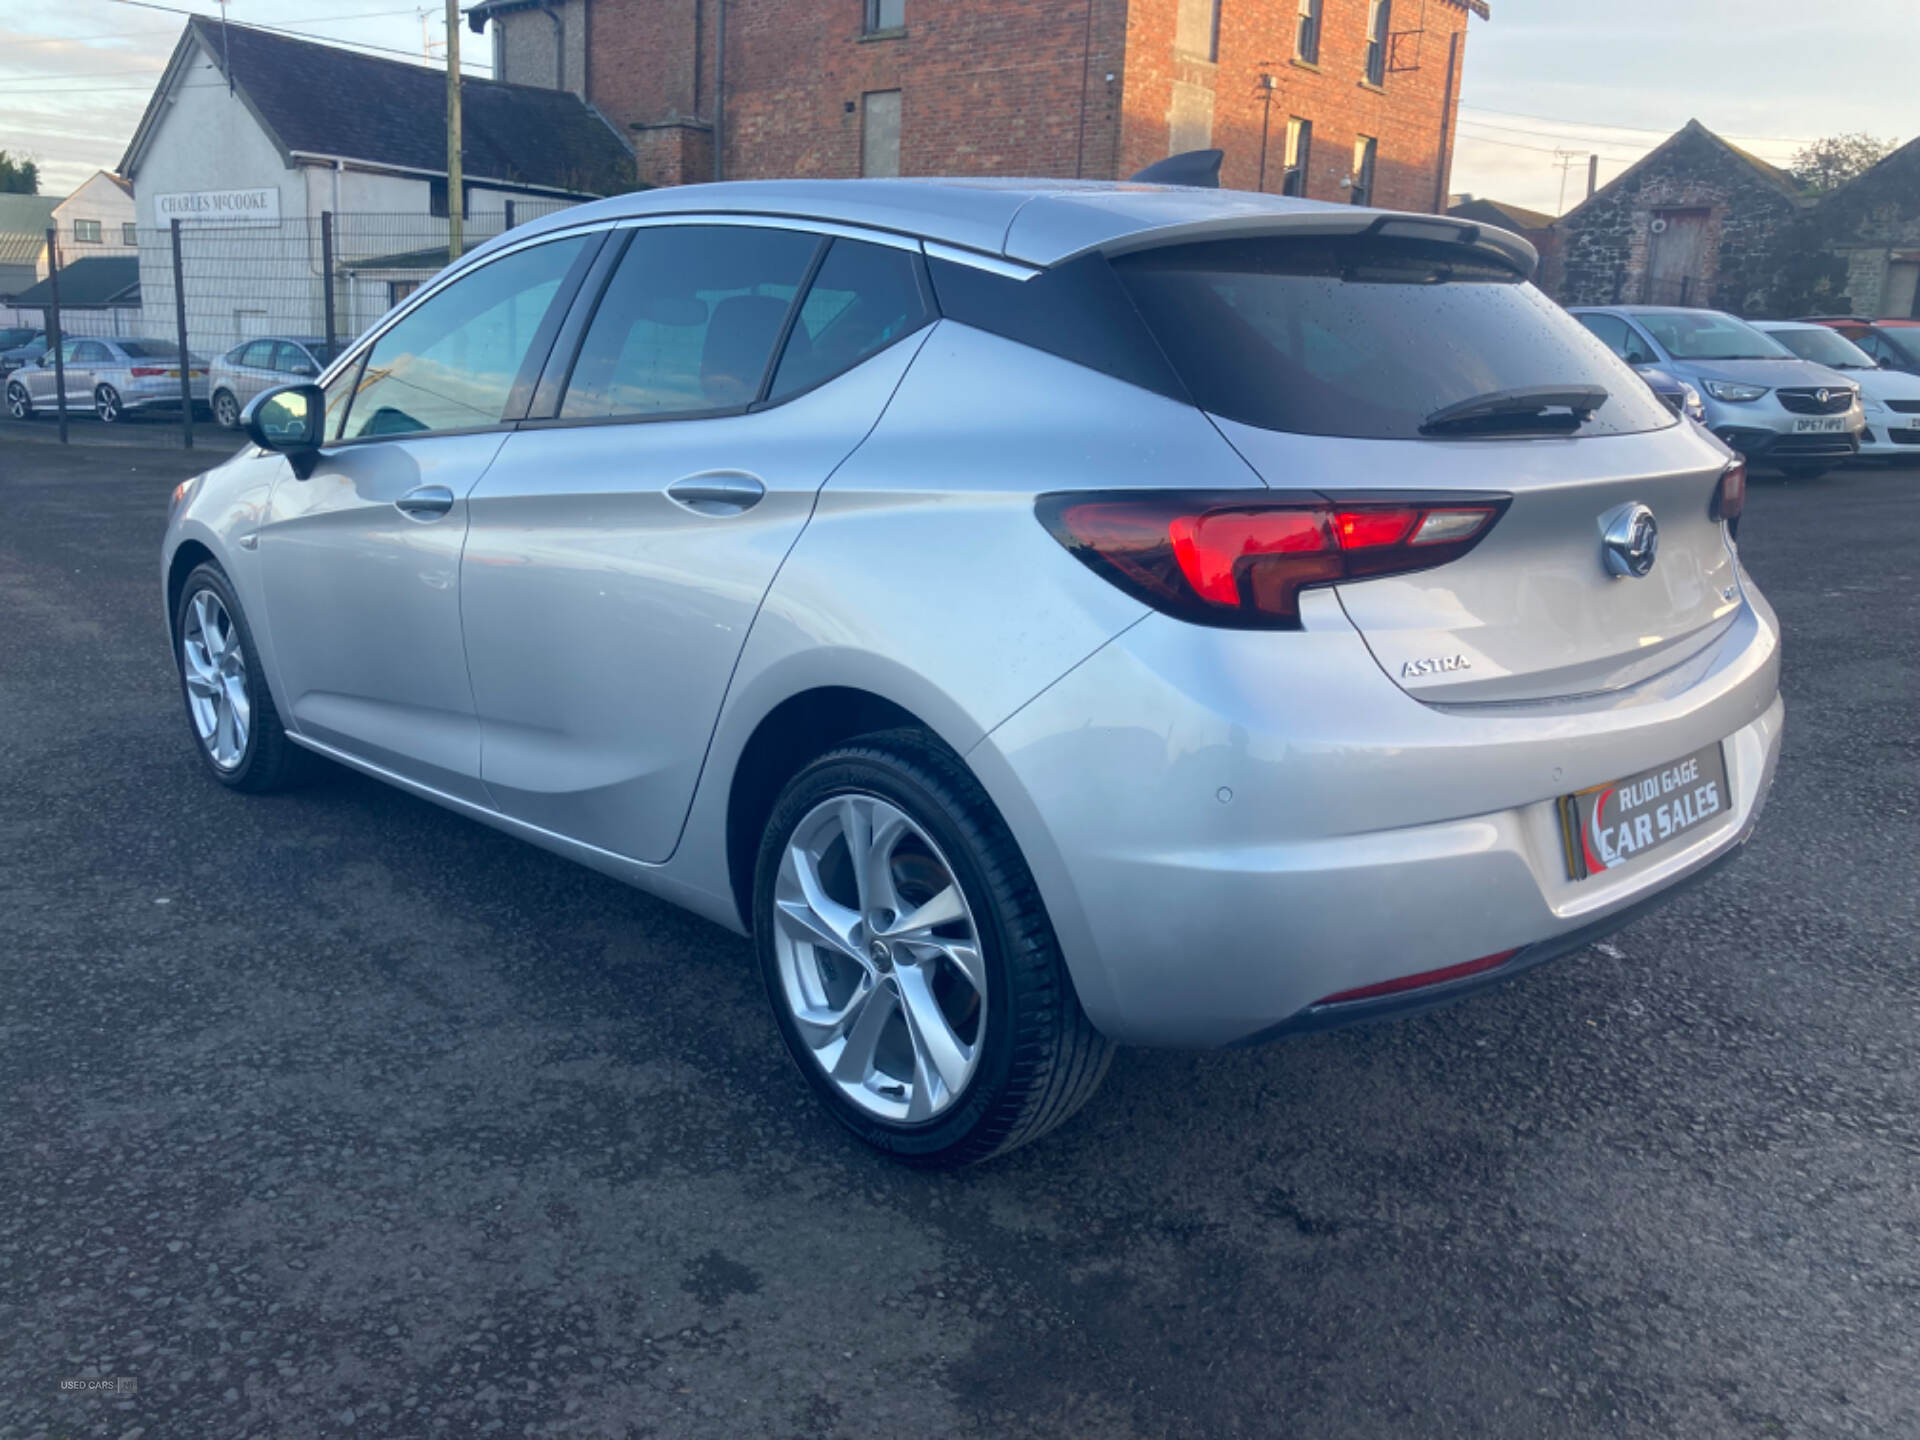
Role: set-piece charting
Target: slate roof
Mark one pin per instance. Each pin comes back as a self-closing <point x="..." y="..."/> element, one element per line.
<point x="89" y="284"/>
<point x="323" y="100"/>
<point x="1498" y="212"/>
<point x="1779" y="179"/>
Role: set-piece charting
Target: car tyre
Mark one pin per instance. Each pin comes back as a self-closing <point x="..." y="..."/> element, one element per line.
<point x="230" y="712"/>
<point x="1033" y="1058"/>
<point x="226" y="410"/>
<point x="19" y="402"/>
<point x="106" y="404"/>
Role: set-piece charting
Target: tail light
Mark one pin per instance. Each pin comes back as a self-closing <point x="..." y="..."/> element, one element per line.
<point x="147" y="372"/>
<point x="1731" y="496"/>
<point x="1242" y="559"/>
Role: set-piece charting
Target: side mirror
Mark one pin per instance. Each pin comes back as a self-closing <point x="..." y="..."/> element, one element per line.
<point x="288" y="419"/>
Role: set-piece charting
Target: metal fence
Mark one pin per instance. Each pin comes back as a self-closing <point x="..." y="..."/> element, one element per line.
<point x="211" y="288"/>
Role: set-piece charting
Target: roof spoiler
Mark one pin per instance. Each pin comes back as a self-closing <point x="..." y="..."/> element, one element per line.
<point x="1198" y="168"/>
<point x="1488" y="241"/>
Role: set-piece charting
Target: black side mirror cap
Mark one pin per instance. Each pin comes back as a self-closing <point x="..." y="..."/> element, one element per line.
<point x="289" y="419"/>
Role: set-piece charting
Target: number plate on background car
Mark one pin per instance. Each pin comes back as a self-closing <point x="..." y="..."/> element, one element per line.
<point x="1802" y="427"/>
<point x="1609" y="826"/>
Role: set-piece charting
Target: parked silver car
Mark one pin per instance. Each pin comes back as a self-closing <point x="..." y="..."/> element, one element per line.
<point x="1763" y="400"/>
<point x="1044" y="615"/>
<point x="256" y="365"/>
<point x="112" y="378"/>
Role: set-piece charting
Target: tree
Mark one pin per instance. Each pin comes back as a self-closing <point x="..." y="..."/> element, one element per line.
<point x="1830" y="163"/>
<point x="18" y="177"/>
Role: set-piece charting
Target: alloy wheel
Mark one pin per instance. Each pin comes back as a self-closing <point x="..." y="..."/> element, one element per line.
<point x="215" y="667"/>
<point x="879" y="959"/>
<point x="106" y="404"/>
<point x="225" y="411"/>
<point x="18" y="405"/>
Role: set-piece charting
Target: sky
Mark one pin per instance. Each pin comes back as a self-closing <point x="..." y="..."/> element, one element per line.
<point x="1544" y="79"/>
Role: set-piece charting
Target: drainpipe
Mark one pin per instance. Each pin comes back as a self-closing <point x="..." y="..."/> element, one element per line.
<point x="559" y="46"/>
<point x="720" y="90"/>
<point x="1442" y="168"/>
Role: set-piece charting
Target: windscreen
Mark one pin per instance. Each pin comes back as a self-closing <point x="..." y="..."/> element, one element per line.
<point x="1825" y="347"/>
<point x="1367" y="337"/>
<point x="1907" y="342"/>
<point x="1703" y="335"/>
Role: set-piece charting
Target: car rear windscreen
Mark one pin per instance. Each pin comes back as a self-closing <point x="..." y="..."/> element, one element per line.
<point x="1366" y="337"/>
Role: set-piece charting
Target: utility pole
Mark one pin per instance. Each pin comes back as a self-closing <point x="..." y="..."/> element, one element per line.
<point x="1593" y="175"/>
<point x="456" y="196"/>
<point x="1566" y="160"/>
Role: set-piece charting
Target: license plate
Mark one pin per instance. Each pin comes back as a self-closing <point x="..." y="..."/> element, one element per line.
<point x="173" y="374"/>
<point x="1820" y="427"/>
<point x="1610" y="826"/>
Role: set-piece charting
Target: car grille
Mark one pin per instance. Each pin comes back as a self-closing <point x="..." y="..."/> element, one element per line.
<point x="1904" y="437"/>
<point x="1904" y="407"/>
<point x="1808" y="402"/>
<point x="1811" y="447"/>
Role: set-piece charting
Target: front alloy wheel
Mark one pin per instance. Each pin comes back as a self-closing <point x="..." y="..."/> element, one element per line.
<point x="19" y="403"/>
<point x="879" y="959"/>
<point x="214" y="664"/>
<point x="106" y="404"/>
<point x="226" y="410"/>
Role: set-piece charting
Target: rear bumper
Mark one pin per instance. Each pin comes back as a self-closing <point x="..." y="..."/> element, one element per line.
<point x="1228" y="827"/>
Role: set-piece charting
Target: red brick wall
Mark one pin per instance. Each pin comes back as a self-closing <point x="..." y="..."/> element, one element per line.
<point x="1018" y="87"/>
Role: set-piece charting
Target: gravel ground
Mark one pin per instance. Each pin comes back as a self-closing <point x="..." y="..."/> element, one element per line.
<point x="334" y="1114"/>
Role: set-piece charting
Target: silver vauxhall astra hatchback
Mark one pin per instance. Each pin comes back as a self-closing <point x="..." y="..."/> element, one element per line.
<point x="1045" y="616"/>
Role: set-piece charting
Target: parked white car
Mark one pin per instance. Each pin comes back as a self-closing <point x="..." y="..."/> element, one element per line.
<point x="1891" y="398"/>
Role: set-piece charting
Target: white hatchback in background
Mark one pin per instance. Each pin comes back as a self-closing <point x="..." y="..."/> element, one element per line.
<point x="1891" y="398"/>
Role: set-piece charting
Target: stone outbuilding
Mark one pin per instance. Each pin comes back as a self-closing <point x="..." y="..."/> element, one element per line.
<point x="1698" y="221"/>
<point x="1871" y="229"/>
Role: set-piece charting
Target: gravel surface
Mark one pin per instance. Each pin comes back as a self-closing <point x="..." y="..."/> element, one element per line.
<point x="334" y="1114"/>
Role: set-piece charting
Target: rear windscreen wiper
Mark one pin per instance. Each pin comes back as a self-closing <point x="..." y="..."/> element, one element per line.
<point x="1501" y="409"/>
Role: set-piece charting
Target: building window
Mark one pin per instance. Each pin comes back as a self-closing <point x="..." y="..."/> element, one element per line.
<point x="1196" y="30"/>
<point x="1299" y="153"/>
<point x="437" y="200"/>
<point x="1306" y="35"/>
<point x="880" y="132"/>
<point x="1365" y="149"/>
<point x="1379" y="35"/>
<point x="86" y="232"/>
<point x="129" y="233"/>
<point x="398" y="290"/>
<point x="885" y="15"/>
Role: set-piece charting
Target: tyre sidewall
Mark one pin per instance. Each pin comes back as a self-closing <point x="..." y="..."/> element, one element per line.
<point x="211" y="577"/>
<point x="875" y="774"/>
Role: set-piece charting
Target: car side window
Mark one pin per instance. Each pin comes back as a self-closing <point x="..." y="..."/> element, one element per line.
<point x="688" y="322"/>
<point x="258" y="355"/>
<point x="92" y="352"/>
<point x="453" y="362"/>
<point x="232" y="357"/>
<point x="863" y="298"/>
<point x="291" y="359"/>
<point x="1611" y="330"/>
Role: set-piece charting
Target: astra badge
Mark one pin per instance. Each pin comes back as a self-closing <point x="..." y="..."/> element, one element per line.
<point x="1630" y="541"/>
<point x="1433" y="665"/>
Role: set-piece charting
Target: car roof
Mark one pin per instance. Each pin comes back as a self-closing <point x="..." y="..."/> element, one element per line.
<point x="1038" y="223"/>
<point x="1788" y="325"/>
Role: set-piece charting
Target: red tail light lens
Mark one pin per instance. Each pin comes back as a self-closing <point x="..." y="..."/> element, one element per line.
<point x="1240" y="559"/>
<point x="1420" y="981"/>
<point x="147" y="372"/>
<point x="1731" y="496"/>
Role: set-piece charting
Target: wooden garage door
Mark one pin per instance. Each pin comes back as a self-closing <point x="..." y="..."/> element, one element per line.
<point x="1677" y="258"/>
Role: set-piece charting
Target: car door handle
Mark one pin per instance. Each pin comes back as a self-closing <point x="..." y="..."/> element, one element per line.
<point x="724" y="492"/>
<point x="429" y="502"/>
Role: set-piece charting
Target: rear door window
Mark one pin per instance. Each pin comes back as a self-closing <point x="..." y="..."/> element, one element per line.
<point x="1619" y="337"/>
<point x="689" y="321"/>
<point x="863" y="298"/>
<point x="1366" y="337"/>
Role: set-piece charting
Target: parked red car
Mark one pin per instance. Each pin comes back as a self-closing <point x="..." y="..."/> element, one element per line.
<point x="1894" y="343"/>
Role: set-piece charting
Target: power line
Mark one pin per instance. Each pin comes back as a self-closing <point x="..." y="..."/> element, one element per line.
<point x="1543" y="149"/>
<point x="277" y="30"/>
<point x="1637" y="129"/>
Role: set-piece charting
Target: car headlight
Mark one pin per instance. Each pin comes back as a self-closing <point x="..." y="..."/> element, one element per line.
<point x="1734" y="392"/>
<point x="1692" y="404"/>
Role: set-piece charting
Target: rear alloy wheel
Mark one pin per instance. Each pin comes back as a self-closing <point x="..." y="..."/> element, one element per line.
<point x="19" y="402"/>
<point x="106" y="404"/>
<point x="910" y="964"/>
<point x="237" y="729"/>
<point x="226" y="410"/>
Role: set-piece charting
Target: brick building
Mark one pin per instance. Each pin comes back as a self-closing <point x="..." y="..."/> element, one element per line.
<point x="1334" y="99"/>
